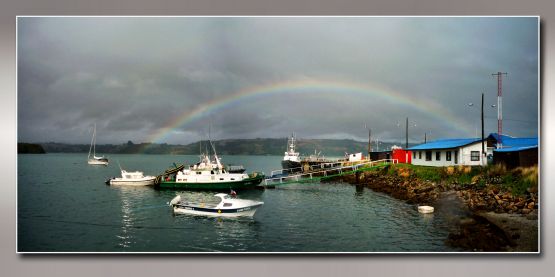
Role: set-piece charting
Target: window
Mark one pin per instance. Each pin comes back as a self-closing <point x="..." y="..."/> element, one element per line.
<point x="456" y="156"/>
<point x="414" y="155"/>
<point x="474" y="155"/>
<point x="428" y="155"/>
<point x="420" y="154"/>
<point x="438" y="156"/>
<point x="448" y="156"/>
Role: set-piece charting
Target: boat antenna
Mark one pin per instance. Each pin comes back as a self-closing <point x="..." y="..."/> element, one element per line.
<point x="200" y="149"/>
<point x="119" y="166"/>
<point x="214" y="149"/>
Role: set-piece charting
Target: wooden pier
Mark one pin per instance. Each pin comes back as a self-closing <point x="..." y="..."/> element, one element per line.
<point x="321" y="172"/>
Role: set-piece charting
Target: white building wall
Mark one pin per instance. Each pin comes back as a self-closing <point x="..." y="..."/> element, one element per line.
<point x="464" y="156"/>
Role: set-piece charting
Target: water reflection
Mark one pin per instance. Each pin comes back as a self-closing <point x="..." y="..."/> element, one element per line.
<point x="131" y="201"/>
<point x="359" y="190"/>
<point x="124" y="237"/>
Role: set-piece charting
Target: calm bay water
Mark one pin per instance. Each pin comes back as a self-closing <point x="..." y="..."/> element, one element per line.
<point x="64" y="206"/>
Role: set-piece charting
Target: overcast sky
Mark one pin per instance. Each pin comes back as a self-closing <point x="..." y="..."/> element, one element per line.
<point x="135" y="76"/>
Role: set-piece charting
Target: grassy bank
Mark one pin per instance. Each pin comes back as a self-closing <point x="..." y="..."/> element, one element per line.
<point x="518" y="182"/>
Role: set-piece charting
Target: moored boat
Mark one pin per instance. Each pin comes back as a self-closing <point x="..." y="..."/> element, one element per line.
<point x="135" y="178"/>
<point x="291" y="160"/>
<point x="208" y="174"/>
<point x="227" y="206"/>
<point x="94" y="160"/>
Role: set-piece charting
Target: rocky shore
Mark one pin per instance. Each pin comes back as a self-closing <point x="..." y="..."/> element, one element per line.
<point x="483" y="214"/>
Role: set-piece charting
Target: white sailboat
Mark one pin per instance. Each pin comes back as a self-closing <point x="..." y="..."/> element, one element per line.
<point x="94" y="160"/>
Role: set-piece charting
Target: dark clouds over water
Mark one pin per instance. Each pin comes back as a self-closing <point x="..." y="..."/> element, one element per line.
<point x="133" y="76"/>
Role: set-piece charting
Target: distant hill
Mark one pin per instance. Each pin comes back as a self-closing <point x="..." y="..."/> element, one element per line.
<point x="30" y="148"/>
<point x="259" y="146"/>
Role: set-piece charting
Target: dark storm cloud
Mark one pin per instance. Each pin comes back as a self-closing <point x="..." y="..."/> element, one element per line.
<point x="132" y="76"/>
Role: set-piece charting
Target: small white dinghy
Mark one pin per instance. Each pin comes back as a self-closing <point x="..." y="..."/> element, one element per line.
<point x="227" y="207"/>
<point x="425" y="209"/>
<point x="135" y="178"/>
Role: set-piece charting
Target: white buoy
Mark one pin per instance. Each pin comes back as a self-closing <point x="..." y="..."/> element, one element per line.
<point x="425" y="209"/>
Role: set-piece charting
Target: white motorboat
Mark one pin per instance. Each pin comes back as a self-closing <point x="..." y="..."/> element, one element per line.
<point x="227" y="207"/>
<point x="94" y="160"/>
<point x="135" y="178"/>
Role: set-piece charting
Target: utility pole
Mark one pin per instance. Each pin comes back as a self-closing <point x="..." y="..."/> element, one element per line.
<point x="499" y="106"/>
<point x="482" y="119"/>
<point x="369" y="142"/>
<point x="424" y="137"/>
<point x="407" y="134"/>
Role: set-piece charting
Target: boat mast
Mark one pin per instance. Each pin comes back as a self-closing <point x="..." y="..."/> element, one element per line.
<point x="92" y="140"/>
<point x="216" y="155"/>
<point x="291" y="144"/>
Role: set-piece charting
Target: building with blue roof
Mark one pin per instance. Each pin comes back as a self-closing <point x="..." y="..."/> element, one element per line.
<point x="514" y="152"/>
<point x="449" y="152"/>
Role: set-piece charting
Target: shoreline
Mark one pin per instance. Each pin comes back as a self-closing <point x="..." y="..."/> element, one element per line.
<point x="484" y="219"/>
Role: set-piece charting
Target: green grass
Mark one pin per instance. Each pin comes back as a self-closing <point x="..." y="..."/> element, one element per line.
<point x="514" y="181"/>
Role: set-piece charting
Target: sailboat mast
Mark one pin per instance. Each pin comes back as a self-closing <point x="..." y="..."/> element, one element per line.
<point x="94" y="139"/>
<point x="90" y="148"/>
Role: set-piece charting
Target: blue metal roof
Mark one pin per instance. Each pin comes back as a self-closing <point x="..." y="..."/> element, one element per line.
<point x="511" y="144"/>
<point x="515" y="149"/>
<point x="496" y="137"/>
<point x="445" y="144"/>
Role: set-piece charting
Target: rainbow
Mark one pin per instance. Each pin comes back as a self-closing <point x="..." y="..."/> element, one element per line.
<point x="309" y="86"/>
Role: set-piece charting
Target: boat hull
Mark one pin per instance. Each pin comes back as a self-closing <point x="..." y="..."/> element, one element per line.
<point x="247" y="183"/>
<point x="97" y="162"/>
<point x="148" y="182"/>
<point x="239" y="212"/>
<point x="287" y="164"/>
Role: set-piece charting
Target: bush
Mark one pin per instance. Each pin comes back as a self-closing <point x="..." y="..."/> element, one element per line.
<point x="496" y="170"/>
<point x="523" y="180"/>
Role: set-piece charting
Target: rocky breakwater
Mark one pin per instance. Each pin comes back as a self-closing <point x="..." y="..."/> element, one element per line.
<point x="491" y="208"/>
<point x="400" y="183"/>
<point x="493" y="198"/>
<point x="514" y="210"/>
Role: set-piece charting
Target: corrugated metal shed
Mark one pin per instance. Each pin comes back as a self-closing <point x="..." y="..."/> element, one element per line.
<point x="496" y="137"/>
<point x="445" y="144"/>
<point x="517" y="144"/>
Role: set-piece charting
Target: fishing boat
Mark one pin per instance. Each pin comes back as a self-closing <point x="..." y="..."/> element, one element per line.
<point x="291" y="160"/>
<point x="228" y="206"/>
<point x="95" y="160"/>
<point x="135" y="178"/>
<point x="207" y="174"/>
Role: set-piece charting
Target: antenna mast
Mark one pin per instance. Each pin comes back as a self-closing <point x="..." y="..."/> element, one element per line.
<point x="499" y="106"/>
<point x="407" y="134"/>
